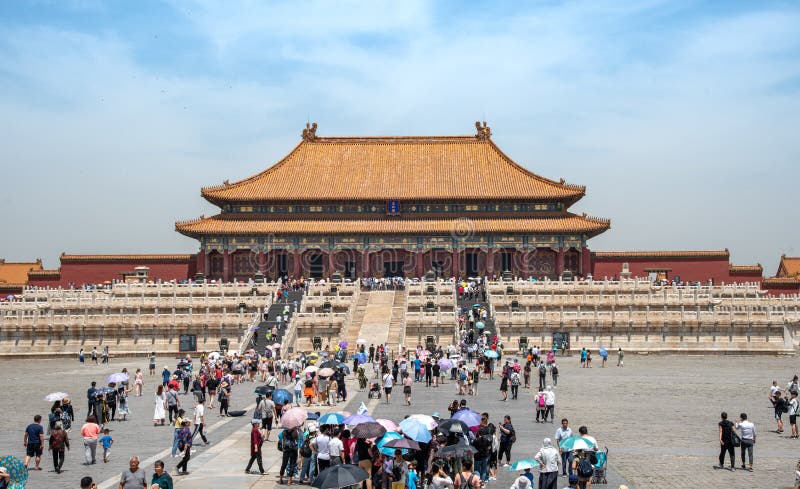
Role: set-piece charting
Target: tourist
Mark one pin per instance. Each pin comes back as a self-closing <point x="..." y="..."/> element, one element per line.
<point x="781" y="406"/>
<point x="583" y="357"/>
<point x="133" y="477"/>
<point x="336" y="449"/>
<point x="298" y="387"/>
<point x="388" y="381"/>
<point x="526" y="374"/>
<point x="504" y="387"/>
<point x="542" y="376"/>
<point x="549" y="459"/>
<point x="321" y="447"/>
<point x="211" y="387"/>
<point x="620" y="356"/>
<point x="177" y="426"/>
<point x="588" y="359"/>
<point x="94" y="355"/>
<point x="540" y="403"/>
<point x="122" y="399"/>
<point x="583" y="432"/>
<point x="67" y="414"/>
<point x="59" y="442"/>
<point x="395" y="471"/>
<point x="333" y="391"/>
<point x="81" y="358"/>
<point x="466" y="479"/>
<point x="256" y="442"/>
<point x="554" y="373"/>
<point x="515" y="382"/>
<point x="160" y="406"/>
<point x="152" y="363"/>
<point x="138" y="382"/>
<point x="549" y="403"/>
<point x="105" y="354"/>
<point x="106" y="440"/>
<point x="407" y="388"/>
<point x="726" y="441"/>
<point x="288" y="443"/>
<point x="583" y="468"/>
<point x="308" y="470"/>
<point x="185" y="446"/>
<point x="562" y="433"/>
<point x="173" y="402"/>
<point x="267" y="407"/>
<point x="33" y="441"/>
<point x="111" y="401"/>
<point x="439" y="478"/>
<point x="747" y="432"/>
<point x="794" y="408"/>
<point x="507" y="438"/>
<point x="223" y="396"/>
<point x="200" y="421"/>
<point x="88" y="483"/>
<point x="166" y="376"/>
<point x="89" y="431"/>
<point x="160" y="477"/>
<point x="90" y="397"/>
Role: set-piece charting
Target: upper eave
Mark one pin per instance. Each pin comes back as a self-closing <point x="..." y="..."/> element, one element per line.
<point x="416" y="168"/>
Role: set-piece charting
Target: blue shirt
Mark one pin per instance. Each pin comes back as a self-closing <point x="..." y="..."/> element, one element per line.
<point x="34" y="430"/>
<point x="416" y="364"/>
<point x="411" y="482"/>
<point x="106" y="441"/>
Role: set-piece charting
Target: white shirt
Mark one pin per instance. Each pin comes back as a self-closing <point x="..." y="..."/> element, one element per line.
<point x="549" y="398"/>
<point x="335" y="447"/>
<point x="591" y="439"/>
<point x="322" y="443"/>
<point x="199" y="412"/>
<point x="562" y="433"/>
<point x="549" y="458"/>
<point x="748" y="430"/>
<point x="387" y="380"/>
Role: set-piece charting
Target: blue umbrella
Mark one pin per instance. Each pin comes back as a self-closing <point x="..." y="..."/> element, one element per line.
<point x="331" y="418"/>
<point x="17" y="471"/>
<point x="491" y="354"/>
<point x="468" y="417"/>
<point x="282" y="396"/>
<point x="117" y="378"/>
<point x="525" y="463"/>
<point x="390" y="435"/>
<point x="603" y="352"/>
<point x="344" y="367"/>
<point x="312" y="416"/>
<point x="480" y="325"/>
<point x="362" y="357"/>
<point x="415" y="430"/>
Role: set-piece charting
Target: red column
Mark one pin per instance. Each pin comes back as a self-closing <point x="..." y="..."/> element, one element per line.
<point x="331" y="263"/>
<point x="586" y="261"/>
<point x="201" y="262"/>
<point x="490" y="262"/>
<point x="296" y="264"/>
<point x="365" y="263"/>
<point x="419" y="261"/>
<point x="226" y="266"/>
<point x="454" y="256"/>
<point x="526" y="263"/>
<point x="560" y="262"/>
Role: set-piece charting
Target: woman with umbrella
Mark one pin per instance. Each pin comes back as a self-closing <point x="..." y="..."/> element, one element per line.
<point x="395" y="471"/>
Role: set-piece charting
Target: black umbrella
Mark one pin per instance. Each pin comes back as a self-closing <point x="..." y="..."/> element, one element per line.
<point x="264" y="389"/>
<point x="329" y="364"/>
<point x="453" y="426"/>
<point x="370" y="429"/>
<point x="402" y="443"/>
<point x="457" y="450"/>
<point x="340" y="476"/>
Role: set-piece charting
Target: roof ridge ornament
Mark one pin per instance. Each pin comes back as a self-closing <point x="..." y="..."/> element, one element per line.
<point x="484" y="132"/>
<point x="310" y="132"/>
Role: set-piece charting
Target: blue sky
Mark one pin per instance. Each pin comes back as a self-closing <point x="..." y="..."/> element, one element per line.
<point x="681" y="118"/>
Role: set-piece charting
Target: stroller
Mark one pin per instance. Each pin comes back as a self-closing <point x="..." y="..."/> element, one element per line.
<point x="599" y="476"/>
<point x="374" y="391"/>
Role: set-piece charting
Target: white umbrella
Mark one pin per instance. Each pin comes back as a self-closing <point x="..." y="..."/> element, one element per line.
<point x="310" y="369"/>
<point x="361" y="341"/>
<point x="213" y="355"/>
<point x="276" y="345"/>
<point x="428" y="421"/>
<point x="55" y="396"/>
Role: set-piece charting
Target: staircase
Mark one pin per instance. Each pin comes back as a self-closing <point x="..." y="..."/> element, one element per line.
<point x="483" y="300"/>
<point x="259" y="341"/>
<point x="354" y="329"/>
<point x="373" y="315"/>
<point x="397" y="324"/>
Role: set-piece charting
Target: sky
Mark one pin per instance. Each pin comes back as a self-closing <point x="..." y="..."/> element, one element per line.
<point x="681" y="118"/>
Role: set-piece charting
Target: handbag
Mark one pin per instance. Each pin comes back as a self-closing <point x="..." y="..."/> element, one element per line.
<point x="736" y="441"/>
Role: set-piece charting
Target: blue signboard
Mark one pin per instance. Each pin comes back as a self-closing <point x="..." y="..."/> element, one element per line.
<point x="393" y="207"/>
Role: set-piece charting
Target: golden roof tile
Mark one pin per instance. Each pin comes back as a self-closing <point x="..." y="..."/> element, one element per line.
<point x="387" y="168"/>
<point x="228" y="224"/>
<point x="789" y="266"/>
<point x="44" y="273"/>
<point x="17" y="272"/>
<point x="746" y="269"/>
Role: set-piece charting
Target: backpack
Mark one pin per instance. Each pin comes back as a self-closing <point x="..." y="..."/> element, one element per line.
<point x="515" y="379"/>
<point x="287" y="442"/>
<point x="305" y="448"/>
<point x="554" y="370"/>
<point x="783" y="405"/>
<point x="257" y="412"/>
<point x="542" y="370"/>
<point x="466" y="483"/>
<point x="541" y="401"/>
<point x="793" y="388"/>
<point x="585" y="469"/>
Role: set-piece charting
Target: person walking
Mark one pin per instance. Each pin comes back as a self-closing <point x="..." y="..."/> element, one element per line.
<point x="549" y="403"/>
<point x="200" y="421"/>
<point x="562" y="433"/>
<point x="138" y="381"/>
<point x="289" y="445"/>
<point x="161" y="477"/>
<point x="748" y="436"/>
<point x="256" y="442"/>
<point x="620" y="356"/>
<point x="507" y="438"/>
<point x="726" y="441"/>
<point x="504" y="387"/>
<point x="33" y="441"/>
<point x="549" y="459"/>
<point x="160" y="406"/>
<point x="89" y="431"/>
<point x="407" y="387"/>
<point x="542" y="376"/>
<point x="133" y="477"/>
<point x="185" y="445"/>
<point x="59" y="442"/>
<point x="177" y="427"/>
<point x="554" y="373"/>
<point x="794" y="408"/>
<point x="515" y="382"/>
<point x="388" y="382"/>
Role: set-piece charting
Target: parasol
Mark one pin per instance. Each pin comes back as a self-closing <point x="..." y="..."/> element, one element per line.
<point x="331" y="418"/>
<point x="426" y="420"/>
<point x="370" y="429"/>
<point x="402" y="443"/>
<point x="117" y="378"/>
<point x="294" y="417"/>
<point x="415" y="430"/>
<point x="282" y="396"/>
<point x="357" y="419"/>
<point x="387" y="423"/>
<point x="344" y="475"/>
<point x="381" y="444"/>
<point x="453" y="426"/>
<point x="468" y="417"/>
<point x="55" y="396"/>
<point x="325" y="372"/>
<point x="445" y="364"/>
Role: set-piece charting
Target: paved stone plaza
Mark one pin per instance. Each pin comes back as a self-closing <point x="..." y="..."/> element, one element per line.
<point x="657" y="415"/>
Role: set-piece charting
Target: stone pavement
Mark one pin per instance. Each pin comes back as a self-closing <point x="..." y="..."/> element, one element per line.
<point x="658" y="415"/>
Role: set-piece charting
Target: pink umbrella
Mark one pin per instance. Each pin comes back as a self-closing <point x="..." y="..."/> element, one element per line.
<point x="294" y="417"/>
<point x="276" y="345"/>
<point x="388" y="424"/>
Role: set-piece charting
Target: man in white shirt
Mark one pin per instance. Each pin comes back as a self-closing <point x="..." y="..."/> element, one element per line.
<point x="388" y="381"/>
<point x="200" y="420"/>
<point x="336" y="449"/>
<point x="748" y="436"/>
<point x="562" y="433"/>
<point x="321" y="445"/>
<point x="550" y="459"/>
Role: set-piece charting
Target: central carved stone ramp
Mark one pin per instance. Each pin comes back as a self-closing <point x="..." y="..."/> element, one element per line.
<point x="377" y="316"/>
<point x="397" y="324"/>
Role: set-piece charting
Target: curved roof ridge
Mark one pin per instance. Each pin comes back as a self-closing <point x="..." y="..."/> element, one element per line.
<point x="529" y="173"/>
<point x="272" y="168"/>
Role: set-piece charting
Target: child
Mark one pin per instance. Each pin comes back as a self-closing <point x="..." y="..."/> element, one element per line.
<point x="413" y="478"/>
<point x="107" y="441"/>
<point x="333" y="389"/>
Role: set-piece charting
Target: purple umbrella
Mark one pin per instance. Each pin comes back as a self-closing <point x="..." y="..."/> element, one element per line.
<point x="356" y="419"/>
<point x="342" y="344"/>
<point x="468" y="417"/>
<point x="445" y="364"/>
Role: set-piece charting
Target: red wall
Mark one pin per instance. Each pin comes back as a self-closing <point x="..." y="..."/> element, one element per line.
<point x="688" y="269"/>
<point x="79" y="273"/>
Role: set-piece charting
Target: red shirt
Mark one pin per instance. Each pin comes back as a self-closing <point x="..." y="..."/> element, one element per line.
<point x="256" y="440"/>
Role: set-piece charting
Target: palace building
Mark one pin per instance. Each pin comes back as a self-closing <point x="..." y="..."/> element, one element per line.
<point x="394" y="206"/>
